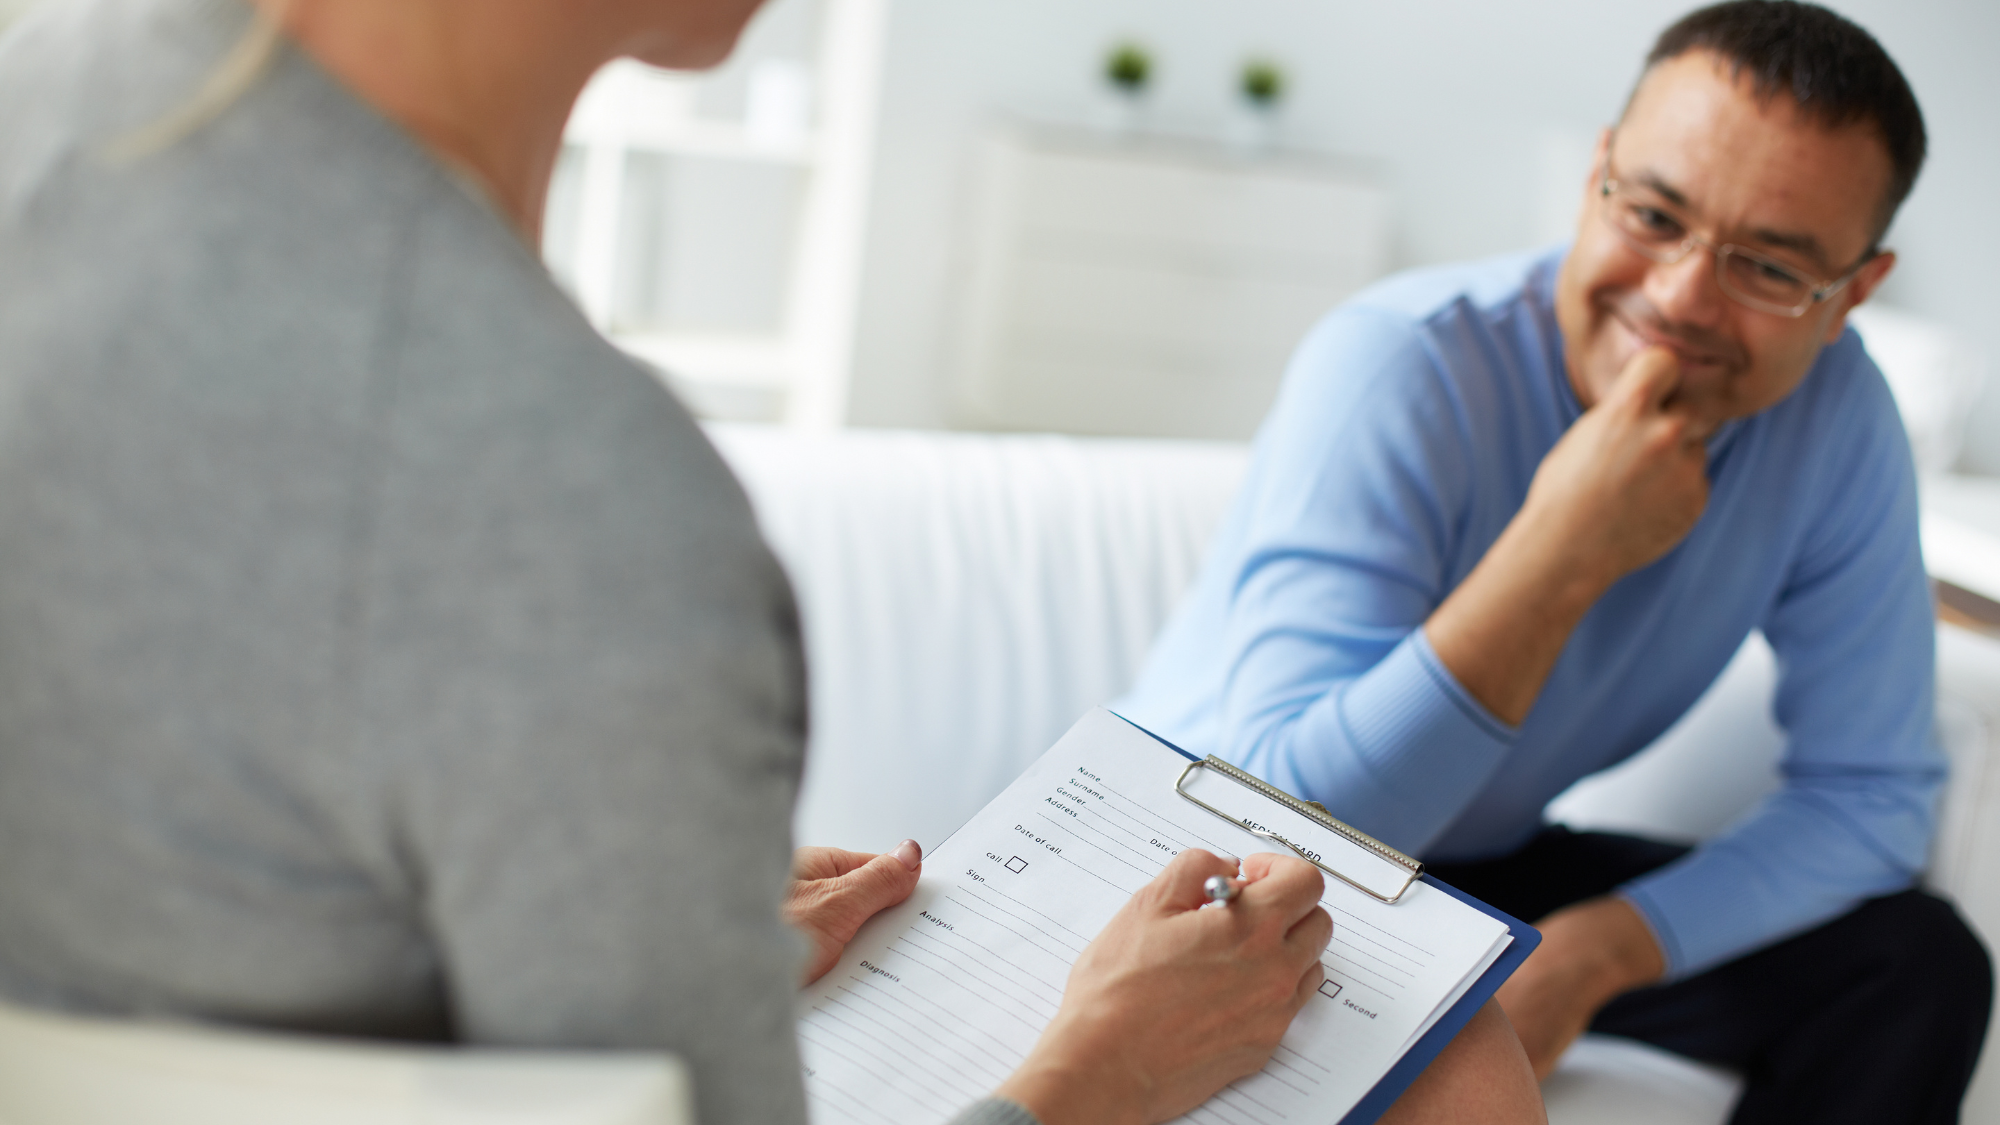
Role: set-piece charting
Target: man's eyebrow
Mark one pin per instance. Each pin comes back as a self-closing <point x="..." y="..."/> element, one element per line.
<point x="1804" y="244"/>
<point x="1796" y="241"/>
<point x="1666" y="190"/>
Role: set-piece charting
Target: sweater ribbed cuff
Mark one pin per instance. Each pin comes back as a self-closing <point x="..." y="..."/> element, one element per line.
<point x="1424" y="742"/>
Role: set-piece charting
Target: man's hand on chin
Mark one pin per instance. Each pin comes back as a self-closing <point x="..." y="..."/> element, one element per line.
<point x="1590" y="954"/>
<point x="1620" y="488"/>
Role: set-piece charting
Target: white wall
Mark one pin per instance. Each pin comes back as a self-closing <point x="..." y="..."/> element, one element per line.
<point x="1468" y="108"/>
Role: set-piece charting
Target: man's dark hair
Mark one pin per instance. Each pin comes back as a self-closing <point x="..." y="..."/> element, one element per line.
<point x="1836" y="72"/>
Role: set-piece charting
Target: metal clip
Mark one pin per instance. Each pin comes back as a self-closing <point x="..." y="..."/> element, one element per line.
<point x="1311" y="810"/>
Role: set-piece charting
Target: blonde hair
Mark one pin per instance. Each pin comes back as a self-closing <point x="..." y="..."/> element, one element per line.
<point x="231" y="78"/>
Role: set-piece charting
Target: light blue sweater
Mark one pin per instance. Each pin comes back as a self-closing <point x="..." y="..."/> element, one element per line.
<point x="1410" y="423"/>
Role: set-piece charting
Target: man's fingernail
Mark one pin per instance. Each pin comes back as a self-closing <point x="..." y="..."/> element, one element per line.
<point x="1230" y="860"/>
<point x="910" y="854"/>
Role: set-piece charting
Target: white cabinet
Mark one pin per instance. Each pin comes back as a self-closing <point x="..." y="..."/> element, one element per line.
<point x="1150" y="288"/>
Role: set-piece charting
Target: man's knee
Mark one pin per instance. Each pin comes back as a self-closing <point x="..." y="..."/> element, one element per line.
<point x="1917" y="944"/>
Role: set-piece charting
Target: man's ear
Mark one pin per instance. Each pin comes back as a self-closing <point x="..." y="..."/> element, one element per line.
<point x="1597" y="157"/>
<point x="1866" y="281"/>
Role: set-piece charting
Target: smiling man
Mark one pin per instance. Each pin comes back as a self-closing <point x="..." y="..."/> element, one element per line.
<point x="1508" y="520"/>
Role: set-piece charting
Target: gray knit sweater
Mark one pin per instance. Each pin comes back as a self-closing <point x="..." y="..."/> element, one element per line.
<point x="381" y="653"/>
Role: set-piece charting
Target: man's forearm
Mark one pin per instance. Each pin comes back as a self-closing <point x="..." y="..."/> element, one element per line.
<point x="1626" y="482"/>
<point x="1501" y="630"/>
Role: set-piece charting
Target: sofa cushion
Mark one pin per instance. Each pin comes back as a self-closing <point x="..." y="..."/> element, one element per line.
<point x="1609" y="1081"/>
<point x="966" y="598"/>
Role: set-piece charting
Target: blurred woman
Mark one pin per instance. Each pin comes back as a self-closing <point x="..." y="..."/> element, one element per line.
<point x="383" y="654"/>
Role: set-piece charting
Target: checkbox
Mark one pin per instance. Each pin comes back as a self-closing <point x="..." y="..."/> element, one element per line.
<point x="1017" y="865"/>
<point x="1329" y="989"/>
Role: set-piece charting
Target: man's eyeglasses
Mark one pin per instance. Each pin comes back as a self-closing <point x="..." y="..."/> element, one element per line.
<point x="1652" y="226"/>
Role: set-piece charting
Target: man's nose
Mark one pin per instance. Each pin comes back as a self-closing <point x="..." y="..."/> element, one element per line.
<point x="1686" y="292"/>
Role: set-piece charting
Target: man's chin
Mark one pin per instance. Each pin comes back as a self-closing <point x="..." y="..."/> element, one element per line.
<point x="1708" y="392"/>
<point x="1712" y="406"/>
<point x="1707" y="381"/>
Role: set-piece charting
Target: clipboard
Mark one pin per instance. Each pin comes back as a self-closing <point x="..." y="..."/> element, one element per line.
<point x="1429" y="1045"/>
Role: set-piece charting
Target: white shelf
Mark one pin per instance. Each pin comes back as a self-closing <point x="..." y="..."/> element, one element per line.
<point x="817" y="117"/>
<point x="721" y="140"/>
<point x="762" y="363"/>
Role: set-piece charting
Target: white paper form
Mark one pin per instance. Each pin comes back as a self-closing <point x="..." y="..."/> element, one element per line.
<point x="936" y="1001"/>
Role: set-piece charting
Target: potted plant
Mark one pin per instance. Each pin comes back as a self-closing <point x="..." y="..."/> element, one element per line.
<point x="1260" y="89"/>
<point x="1128" y="73"/>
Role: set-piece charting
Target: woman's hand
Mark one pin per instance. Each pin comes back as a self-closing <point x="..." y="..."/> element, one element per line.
<point x="1171" y="1002"/>
<point x="834" y="891"/>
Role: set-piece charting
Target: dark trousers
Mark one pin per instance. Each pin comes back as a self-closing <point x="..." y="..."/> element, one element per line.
<point x="1876" y="1016"/>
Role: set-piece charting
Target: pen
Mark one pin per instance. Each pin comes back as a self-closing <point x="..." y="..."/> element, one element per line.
<point x="1219" y="890"/>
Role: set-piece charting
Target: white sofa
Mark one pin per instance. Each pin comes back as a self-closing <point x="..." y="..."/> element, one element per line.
<point x="966" y="597"/>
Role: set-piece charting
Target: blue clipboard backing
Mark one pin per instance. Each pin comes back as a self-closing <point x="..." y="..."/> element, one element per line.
<point x="1432" y="1043"/>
